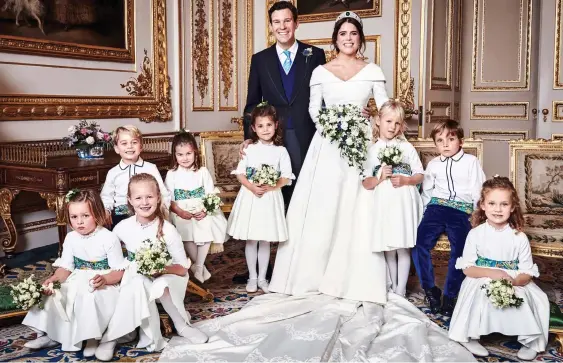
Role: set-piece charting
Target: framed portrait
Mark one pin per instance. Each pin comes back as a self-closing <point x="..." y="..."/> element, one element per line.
<point x="101" y="30"/>
<point x="327" y="10"/>
<point x="220" y="155"/>
<point x="536" y="169"/>
<point x="58" y="88"/>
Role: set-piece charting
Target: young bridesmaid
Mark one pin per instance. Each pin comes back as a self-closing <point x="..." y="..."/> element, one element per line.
<point x="496" y="248"/>
<point x="396" y="200"/>
<point x="90" y="267"/>
<point x="136" y="306"/>
<point x="188" y="182"/>
<point x="258" y="214"/>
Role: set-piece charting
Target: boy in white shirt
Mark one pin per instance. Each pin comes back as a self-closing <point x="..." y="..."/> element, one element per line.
<point x="450" y="191"/>
<point x="128" y="143"/>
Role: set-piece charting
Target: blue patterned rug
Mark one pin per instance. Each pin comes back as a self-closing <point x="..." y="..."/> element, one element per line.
<point x="231" y="297"/>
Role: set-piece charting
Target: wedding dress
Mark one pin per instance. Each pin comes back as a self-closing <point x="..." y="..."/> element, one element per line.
<point x="327" y="275"/>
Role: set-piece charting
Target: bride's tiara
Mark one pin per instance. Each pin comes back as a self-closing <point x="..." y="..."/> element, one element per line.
<point x="350" y="14"/>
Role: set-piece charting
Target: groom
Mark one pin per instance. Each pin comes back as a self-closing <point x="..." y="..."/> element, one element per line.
<point x="280" y="75"/>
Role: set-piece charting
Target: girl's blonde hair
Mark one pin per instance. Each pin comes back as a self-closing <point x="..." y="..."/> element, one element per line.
<point x="94" y="202"/>
<point x="133" y="130"/>
<point x="516" y="219"/>
<point x="161" y="211"/>
<point x="397" y="109"/>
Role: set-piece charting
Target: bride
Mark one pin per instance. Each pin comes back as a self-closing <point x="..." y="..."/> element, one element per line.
<point x="332" y="303"/>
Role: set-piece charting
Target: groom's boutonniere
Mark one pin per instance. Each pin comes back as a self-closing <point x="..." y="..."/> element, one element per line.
<point x="307" y="53"/>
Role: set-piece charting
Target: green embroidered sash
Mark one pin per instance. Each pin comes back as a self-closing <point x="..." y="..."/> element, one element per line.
<point x="81" y="264"/>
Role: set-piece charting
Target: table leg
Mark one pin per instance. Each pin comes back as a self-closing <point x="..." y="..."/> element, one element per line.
<point x="56" y="203"/>
<point x="8" y="243"/>
<point x="196" y="288"/>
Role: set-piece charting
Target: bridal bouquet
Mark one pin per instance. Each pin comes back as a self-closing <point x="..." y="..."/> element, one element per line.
<point x="265" y="175"/>
<point x="345" y="126"/>
<point x="152" y="257"/>
<point x="501" y="294"/>
<point x="29" y="293"/>
<point x="390" y="155"/>
<point x="211" y="203"/>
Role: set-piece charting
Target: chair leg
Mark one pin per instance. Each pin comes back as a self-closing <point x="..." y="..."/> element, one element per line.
<point x="165" y="325"/>
<point x="196" y="288"/>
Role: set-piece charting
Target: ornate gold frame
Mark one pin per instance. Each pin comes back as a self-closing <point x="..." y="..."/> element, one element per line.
<point x="376" y="39"/>
<point x="375" y="11"/>
<point x="476" y="133"/>
<point x="227" y="82"/>
<point x="154" y="82"/>
<point x="474" y="115"/>
<point x="51" y="48"/>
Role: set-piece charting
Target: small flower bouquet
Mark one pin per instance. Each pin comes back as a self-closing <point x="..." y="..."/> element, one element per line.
<point x="29" y="293"/>
<point x="86" y="134"/>
<point x="266" y="175"/>
<point x="194" y="205"/>
<point x="390" y="155"/>
<point x="152" y="257"/>
<point x="211" y="203"/>
<point x="501" y="294"/>
<point x="345" y="126"/>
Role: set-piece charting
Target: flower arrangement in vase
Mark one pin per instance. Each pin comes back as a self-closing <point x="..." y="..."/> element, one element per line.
<point x="88" y="139"/>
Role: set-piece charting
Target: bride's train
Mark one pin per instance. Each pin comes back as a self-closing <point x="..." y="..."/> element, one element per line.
<point x="317" y="327"/>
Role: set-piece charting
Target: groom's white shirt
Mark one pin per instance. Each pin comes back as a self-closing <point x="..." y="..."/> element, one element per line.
<point x="292" y="50"/>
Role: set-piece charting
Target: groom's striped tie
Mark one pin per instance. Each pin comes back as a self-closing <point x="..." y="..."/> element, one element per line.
<point x="287" y="62"/>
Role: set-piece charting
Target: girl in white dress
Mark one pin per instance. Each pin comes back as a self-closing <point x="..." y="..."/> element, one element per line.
<point x="320" y="254"/>
<point x="136" y="306"/>
<point x="187" y="183"/>
<point x="258" y="214"/>
<point x="396" y="200"/>
<point x="496" y="248"/>
<point x="90" y="267"/>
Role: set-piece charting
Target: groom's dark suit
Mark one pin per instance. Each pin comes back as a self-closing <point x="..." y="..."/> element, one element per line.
<point x="289" y="94"/>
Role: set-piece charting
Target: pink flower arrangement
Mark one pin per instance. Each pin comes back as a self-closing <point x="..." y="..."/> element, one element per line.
<point x="86" y="135"/>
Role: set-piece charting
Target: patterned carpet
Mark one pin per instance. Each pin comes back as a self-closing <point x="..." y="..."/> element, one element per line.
<point x="230" y="298"/>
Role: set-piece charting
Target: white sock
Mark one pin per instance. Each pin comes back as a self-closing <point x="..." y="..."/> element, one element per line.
<point x="263" y="259"/>
<point x="202" y="253"/>
<point x="168" y="305"/>
<point x="251" y="253"/>
<point x="391" y="259"/>
<point x="191" y="250"/>
<point x="404" y="267"/>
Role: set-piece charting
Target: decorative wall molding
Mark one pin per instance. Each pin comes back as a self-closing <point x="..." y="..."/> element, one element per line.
<point x="459" y="29"/>
<point x="444" y="81"/>
<point x="521" y="81"/>
<point x="228" y="79"/>
<point x="202" y="49"/>
<point x="442" y="111"/>
<point x="557" y="73"/>
<point x="557" y="111"/>
<point x="557" y="137"/>
<point x="56" y="107"/>
<point x="479" y="110"/>
<point x="456" y="116"/>
<point x="371" y="41"/>
<point x="403" y="18"/>
<point x="34" y="226"/>
<point x="497" y="135"/>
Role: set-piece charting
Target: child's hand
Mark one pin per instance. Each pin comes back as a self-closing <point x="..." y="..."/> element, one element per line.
<point x="386" y="172"/>
<point x="258" y="190"/>
<point x="98" y="281"/>
<point x="370" y="182"/>
<point x="186" y="215"/>
<point x="243" y="146"/>
<point x="398" y="180"/>
<point x="501" y="274"/>
<point x="50" y="280"/>
<point x="269" y="188"/>
<point x="199" y="215"/>
<point x="521" y="280"/>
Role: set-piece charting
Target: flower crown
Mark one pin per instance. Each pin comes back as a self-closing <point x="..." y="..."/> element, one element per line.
<point x="263" y="104"/>
<point x="350" y="14"/>
<point x="71" y="194"/>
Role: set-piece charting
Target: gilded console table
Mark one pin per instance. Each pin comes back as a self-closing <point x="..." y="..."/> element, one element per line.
<point x="52" y="173"/>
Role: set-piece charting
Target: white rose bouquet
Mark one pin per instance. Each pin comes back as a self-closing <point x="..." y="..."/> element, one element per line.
<point x="29" y="293"/>
<point x="211" y="203"/>
<point x="345" y="126"/>
<point x="390" y="155"/>
<point x="152" y="257"/>
<point x="194" y="205"/>
<point x="265" y="175"/>
<point x="501" y="294"/>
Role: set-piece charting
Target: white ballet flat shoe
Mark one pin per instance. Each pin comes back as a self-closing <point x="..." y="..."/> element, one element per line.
<point x="206" y="273"/>
<point x="526" y="353"/>
<point x="198" y="274"/>
<point x="40" y="343"/>
<point x="193" y="335"/>
<point x="90" y="348"/>
<point x="252" y="285"/>
<point x="105" y="351"/>
<point x="264" y="286"/>
<point x="476" y="348"/>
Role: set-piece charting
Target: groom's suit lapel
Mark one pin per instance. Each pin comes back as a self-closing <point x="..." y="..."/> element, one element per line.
<point x="301" y="67"/>
<point x="274" y="71"/>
